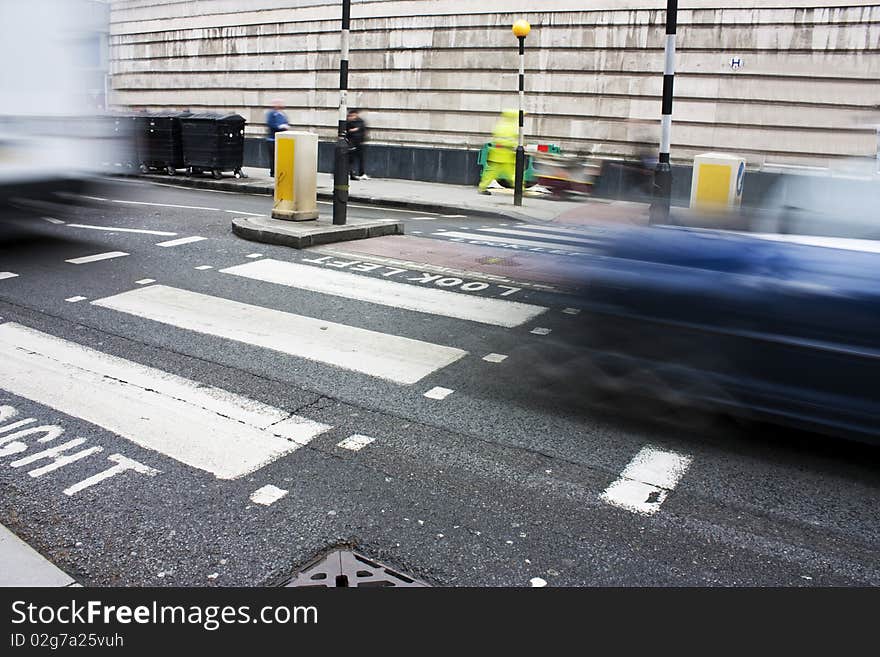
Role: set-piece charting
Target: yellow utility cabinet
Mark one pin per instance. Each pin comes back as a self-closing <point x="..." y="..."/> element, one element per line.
<point x="717" y="182"/>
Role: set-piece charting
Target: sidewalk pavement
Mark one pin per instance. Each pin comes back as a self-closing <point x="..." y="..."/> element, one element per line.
<point x="24" y="566"/>
<point x="410" y="194"/>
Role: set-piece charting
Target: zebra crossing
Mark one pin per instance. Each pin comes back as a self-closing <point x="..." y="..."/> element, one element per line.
<point x="550" y="239"/>
<point x="208" y="428"/>
<point x="225" y="434"/>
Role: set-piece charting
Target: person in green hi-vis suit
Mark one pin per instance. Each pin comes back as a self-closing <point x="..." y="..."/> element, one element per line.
<point x="501" y="159"/>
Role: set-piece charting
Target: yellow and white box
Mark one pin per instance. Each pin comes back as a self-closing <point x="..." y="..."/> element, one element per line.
<point x="296" y="176"/>
<point x="717" y="182"/>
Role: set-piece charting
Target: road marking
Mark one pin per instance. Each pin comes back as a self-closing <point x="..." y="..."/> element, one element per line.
<point x="356" y="442"/>
<point x="204" y="267"/>
<point x="56" y="460"/>
<point x="382" y="355"/>
<point x="554" y="229"/>
<point x="7" y="274"/>
<point x="438" y="393"/>
<point x="182" y="240"/>
<point x="53" y="220"/>
<point x="454" y="216"/>
<point x="268" y="495"/>
<point x="75" y="299"/>
<point x="646" y="482"/>
<point x="494" y="358"/>
<point x="524" y="233"/>
<point x="249" y="214"/>
<point x="162" y="205"/>
<point x="97" y="257"/>
<point x="572" y="311"/>
<point x="201" y="426"/>
<point x="123" y="230"/>
<point x="486" y="310"/>
<point x="145" y="281"/>
<point x="507" y="240"/>
<point x="537" y="582"/>
<point x="123" y="464"/>
<point x="254" y="255"/>
<point x="540" y="331"/>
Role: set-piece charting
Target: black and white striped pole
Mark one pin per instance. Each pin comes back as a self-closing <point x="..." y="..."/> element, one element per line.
<point x="521" y="30"/>
<point x="340" y="169"/>
<point x="663" y="173"/>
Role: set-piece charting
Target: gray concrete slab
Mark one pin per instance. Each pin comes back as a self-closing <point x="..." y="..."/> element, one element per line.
<point x="24" y="566"/>
<point x="303" y="234"/>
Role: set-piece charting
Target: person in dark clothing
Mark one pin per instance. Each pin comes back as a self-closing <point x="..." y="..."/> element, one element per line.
<point x="358" y="133"/>
<point x="276" y="121"/>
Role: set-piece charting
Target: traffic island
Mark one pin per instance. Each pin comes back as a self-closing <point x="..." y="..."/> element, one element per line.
<point x="303" y="234"/>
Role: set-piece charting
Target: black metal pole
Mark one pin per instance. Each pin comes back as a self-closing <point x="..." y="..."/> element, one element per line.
<point x="663" y="173"/>
<point x="520" y="151"/>
<point x="340" y="169"/>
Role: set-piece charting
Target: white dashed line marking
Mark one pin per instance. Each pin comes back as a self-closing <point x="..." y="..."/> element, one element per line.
<point x="254" y="255"/>
<point x="267" y="495"/>
<point x="112" y="229"/>
<point x="572" y="311"/>
<point x="75" y="299"/>
<point x="95" y="258"/>
<point x="145" y="281"/>
<point x="182" y="240"/>
<point x="356" y="442"/>
<point x="494" y="358"/>
<point x="7" y="274"/>
<point x="647" y="480"/>
<point x="53" y="220"/>
<point x="204" y="267"/>
<point x="438" y="393"/>
<point x="540" y="331"/>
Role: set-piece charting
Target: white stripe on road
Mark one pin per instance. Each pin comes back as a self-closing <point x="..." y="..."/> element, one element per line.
<point x="145" y="281"/>
<point x="97" y="257"/>
<point x="554" y="229"/>
<point x="7" y="274"/>
<point x="204" y="427"/>
<point x="438" y="392"/>
<point x="182" y="240"/>
<point x="123" y="230"/>
<point x="507" y="240"/>
<point x="524" y="233"/>
<point x="53" y="220"/>
<point x="485" y="310"/>
<point x="647" y="480"/>
<point x="249" y="214"/>
<point x="390" y="357"/>
<point x="268" y="495"/>
<point x="356" y="442"/>
<point x="164" y="205"/>
<point x="75" y="299"/>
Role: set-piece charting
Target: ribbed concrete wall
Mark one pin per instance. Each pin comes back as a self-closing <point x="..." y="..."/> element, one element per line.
<point x="438" y="71"/>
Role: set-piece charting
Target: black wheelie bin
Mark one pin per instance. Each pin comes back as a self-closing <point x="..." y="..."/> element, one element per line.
<point x="159" y="143"/>
<point x="213" y="143"/>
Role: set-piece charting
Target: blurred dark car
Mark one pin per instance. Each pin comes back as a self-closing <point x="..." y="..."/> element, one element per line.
<point x="778" y="327"/>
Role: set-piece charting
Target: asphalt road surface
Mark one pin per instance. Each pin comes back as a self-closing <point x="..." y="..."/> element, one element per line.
<point x="216" y="412"/>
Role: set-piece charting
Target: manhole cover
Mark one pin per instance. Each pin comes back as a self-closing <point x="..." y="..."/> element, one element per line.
<point x="501" y="262"/>
<point x="344" y="568"/>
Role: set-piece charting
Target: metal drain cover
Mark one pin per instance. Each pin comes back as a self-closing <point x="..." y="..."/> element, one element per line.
<point x="344" y="568"/>
<point x="495" y="260"/>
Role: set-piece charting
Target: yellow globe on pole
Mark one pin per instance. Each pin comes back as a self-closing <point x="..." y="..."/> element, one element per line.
<point x="521" y="28"/>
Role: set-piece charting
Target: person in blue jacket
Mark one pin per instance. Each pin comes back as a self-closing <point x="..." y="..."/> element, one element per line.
<point x="276" y="121"/>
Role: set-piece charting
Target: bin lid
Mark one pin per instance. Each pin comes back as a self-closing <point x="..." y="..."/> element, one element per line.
<point x="214" y="116"/>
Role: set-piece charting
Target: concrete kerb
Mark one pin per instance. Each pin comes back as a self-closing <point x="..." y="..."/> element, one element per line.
<point x="402" y="204"/>
<point x="303" y="234"/>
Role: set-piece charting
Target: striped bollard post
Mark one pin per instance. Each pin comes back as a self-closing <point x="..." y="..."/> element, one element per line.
<point x="663" y="173"/>
<point x="340" y="169"/>
<point x="521" y="30"/>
